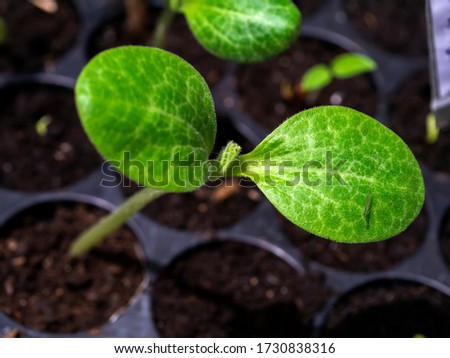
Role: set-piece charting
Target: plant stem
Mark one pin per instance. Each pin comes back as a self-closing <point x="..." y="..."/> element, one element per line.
<point x="96" y="233"/>
<point x="162" y="26"/>
<point x="3" y="32"/>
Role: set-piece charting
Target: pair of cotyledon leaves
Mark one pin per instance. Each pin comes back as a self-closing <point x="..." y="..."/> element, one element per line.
<point x="331" y="170"/>
<point x="342" y="66"/>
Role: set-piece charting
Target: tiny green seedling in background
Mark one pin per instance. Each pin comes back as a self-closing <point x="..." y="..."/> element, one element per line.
<point x="238" y="30"/>
<point x="344" y="66"/>
<point x="157" y="108"/>
<point x="42" y="125"/>
<point x="419" y="335"/>
<point x="432" y="128"/>
<point x="3" y="32"/>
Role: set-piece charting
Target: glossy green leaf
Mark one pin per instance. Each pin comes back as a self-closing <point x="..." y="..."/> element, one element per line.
<point x="316" y="78"/>
<point x="339" y="174"/>
<point x="352" y="64"/>
<point x="243" y="30"/>
<point x="149" y="113"/>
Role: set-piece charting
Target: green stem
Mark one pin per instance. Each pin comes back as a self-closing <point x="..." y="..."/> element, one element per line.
<point x="3" y="32"/>
<point x="95" y="234"/>
<point x="162" y="27"/>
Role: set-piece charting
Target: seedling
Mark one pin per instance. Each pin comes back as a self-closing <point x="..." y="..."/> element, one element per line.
<point x="42" y="125"/>
<point x="432" y="129"/>
<point x="419" y="335"/>
<point x="330" y="170"/>
<point x="3" y="32"/>
<point x="343" y="66"/>
<point x="238" y="30"/>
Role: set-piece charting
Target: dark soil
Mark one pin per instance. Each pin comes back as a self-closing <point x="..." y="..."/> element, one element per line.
<point x="214" y="206"/>
<point x="235" y="290"/>
<point x="391" y="310"/>
<point x="445" y="238"/>
<point x="357" y="257"/>
<point x="308" y="7"/>
<point x="33" y="162"/>
<point x="409" y="109"/>
<point x="45" y="290"/>
<point x="396" y="26"/>
<point x="179" y="41"/>
<point x="260" y="85"/>
<point x="36" y="38"/>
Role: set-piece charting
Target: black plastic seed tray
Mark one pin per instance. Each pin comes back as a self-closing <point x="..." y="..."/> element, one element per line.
<point x="162" y="245"/>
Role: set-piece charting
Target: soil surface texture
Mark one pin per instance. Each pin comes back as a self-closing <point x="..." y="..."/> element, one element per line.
<point x="47" y="291"/>
<point x="44" y="146"/>
<point x="36" y="36"/>
<point x="231" y="289"/>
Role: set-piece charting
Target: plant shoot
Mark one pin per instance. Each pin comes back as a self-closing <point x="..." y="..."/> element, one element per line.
<point x="330" y="170"/>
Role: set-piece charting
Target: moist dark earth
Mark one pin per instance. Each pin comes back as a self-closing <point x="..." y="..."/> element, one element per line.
<point x="357" y="257"/>
<point x="269" y="90"/>
<point x="35" y="161"/>
<point x="410" y="107"/>
<point x="391" y="24"/>
<point x="36" y="38"/>
<point x="45" y="290"/>
<point x="394" y="309"/>
<point x="231" y="289"/>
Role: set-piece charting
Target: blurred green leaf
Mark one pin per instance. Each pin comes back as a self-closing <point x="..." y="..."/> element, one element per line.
<point x="316" y="78"/>
<point x="243" y="30"/>
<point x="351" y="64"/>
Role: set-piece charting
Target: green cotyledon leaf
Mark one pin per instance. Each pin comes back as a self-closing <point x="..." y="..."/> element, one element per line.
<point x="243" y="30"/>
<point x="338" y="174"/>
<point x="316" y="78"/>
<point x="349" y="65"/>
<point x="150" y="114"/>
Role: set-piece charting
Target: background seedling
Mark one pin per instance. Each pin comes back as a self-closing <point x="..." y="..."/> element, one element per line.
<point x="419" y="335"/>
<point x="432" y="128"/>
<point x="318" y="168"/>
<point x="344" y="66"/>
<point x="42" y="125"/>
<point x="239" y="30"/>
<point x="3" y="32"/>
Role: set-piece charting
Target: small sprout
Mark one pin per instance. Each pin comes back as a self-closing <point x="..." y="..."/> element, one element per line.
<point x="432" y="129"/>
<point x="419" y="335"/>
<point x="3" y="32"/>
<point x="48" y="6"/>
<point x="368" y="209"/>
<point x="349" y="65"/>
<point x="42" y="125"/>
<point x="344" y="66"/>
<point x="316" y="78"/>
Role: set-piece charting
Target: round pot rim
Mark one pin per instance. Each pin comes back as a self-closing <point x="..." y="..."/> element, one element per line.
<point x="102" y="204"/>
